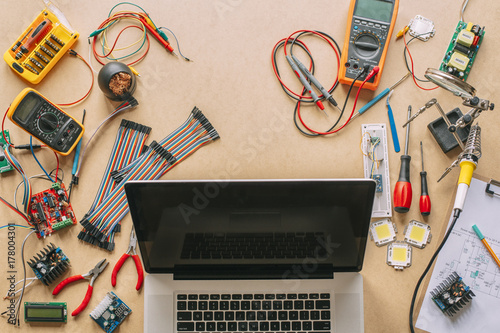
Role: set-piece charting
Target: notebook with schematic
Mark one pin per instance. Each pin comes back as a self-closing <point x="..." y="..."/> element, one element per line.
<point x="252" y="255"/>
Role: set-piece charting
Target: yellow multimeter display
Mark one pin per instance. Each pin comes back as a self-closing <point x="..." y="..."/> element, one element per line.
<point x="41" y="118"/>
<point x="369" y="30"/>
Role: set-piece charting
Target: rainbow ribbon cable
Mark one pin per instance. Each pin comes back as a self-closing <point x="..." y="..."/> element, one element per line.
<point x="129" y="142"/>
<point x="101" y="223"/>
<point x="128" y="146"/>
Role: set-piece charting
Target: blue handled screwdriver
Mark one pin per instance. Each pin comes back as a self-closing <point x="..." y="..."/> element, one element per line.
<point x="394" y="132"/>
<point x="379" y="97"/>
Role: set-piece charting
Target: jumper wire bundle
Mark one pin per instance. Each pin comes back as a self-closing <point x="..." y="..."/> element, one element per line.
<point x="128" y="146"/>
<point x="101" y="222"/>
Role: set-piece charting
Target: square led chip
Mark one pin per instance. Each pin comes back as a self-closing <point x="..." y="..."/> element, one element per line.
<point x="417" y="234"/>
<point x="421" y="28"/>
<point x="383" y="232"/>
<point x="399" y="255"/>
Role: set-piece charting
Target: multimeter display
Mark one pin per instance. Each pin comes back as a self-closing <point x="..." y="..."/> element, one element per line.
<point x="24" y="108"/>
<point x="45" y="121"/>
<point x="369" y="29"/>
<point x="375" y="10"/>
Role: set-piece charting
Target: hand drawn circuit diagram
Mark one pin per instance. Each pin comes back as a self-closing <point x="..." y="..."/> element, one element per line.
<point x="469" y="258"/>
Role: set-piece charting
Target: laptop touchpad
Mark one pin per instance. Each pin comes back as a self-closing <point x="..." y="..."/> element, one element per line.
<point x="160" y="312"/>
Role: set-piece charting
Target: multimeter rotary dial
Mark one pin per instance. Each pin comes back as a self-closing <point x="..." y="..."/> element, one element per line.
<point x="48" y="123"/>
<point x="366" y="44"/>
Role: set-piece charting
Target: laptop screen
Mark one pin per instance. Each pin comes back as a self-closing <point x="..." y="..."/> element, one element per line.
<point x="297" y="228"/>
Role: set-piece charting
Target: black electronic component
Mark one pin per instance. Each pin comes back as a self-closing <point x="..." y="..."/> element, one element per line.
<point x="50" y="201"/>
<point x="462" y="49"/>
<point x="47" y="312"/>
<point x="49" y="264"/>
<point x="476" y="29"/>
<point x="110" y="312"/>
<point x="41" y="213"/>
<point x="452" y="294"/>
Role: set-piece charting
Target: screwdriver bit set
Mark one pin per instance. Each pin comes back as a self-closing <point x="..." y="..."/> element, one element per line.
<point x="40" y="47"/>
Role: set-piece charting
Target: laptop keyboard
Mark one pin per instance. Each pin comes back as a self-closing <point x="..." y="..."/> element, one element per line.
<point x="278" y="312"/>
<point x="252" y="245"/>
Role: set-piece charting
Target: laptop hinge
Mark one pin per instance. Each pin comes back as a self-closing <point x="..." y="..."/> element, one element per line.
<point x="251" y="273"/>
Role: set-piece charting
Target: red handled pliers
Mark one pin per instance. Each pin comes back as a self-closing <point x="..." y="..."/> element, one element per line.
<point x="92" y="275"/>
<point x="131" y="248"/>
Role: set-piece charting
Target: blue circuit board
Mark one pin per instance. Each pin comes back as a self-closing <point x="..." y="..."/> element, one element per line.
<point x="110" y="313"/>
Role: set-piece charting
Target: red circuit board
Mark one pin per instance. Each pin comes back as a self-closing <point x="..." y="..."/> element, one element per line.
<point x="51" y="210"/>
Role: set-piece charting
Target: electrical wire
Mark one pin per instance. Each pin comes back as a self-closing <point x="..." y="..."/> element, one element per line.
<point x="40" y="176"/>
<point x="24" y="279"/>
<point x="464" y="5"/>
<point x="36" y="159"/>
<point x="15" y="210"/>
<point x="177" y="42"/>
<point x="15" y="225"/>
<point x="142" y="21"/>
<point x="412" y="70"/>
<point x="456" y="214"/>
<point x="312" y="134"/>
<point x="131" y="103"/>
<point x="74" y="53"/>
<point x="300" y="97"/>
<point x="32" y="280"/>
<point x="368" y="77"/>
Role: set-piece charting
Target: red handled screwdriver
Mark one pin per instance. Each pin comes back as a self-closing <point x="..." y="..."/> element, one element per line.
<point x="425" y="200"/>
<point x="402" y="191"/>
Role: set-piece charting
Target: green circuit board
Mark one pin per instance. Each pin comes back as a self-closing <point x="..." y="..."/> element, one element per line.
<point x="4" y="164"/>
<point x="462" y="50"/>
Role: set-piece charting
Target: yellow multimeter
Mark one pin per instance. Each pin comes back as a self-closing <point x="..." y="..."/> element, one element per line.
<point x="369" y="29"/>
<point x="44" y="120"/>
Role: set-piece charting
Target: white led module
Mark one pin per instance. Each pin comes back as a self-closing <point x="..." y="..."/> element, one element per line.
<point x="417" y="234"/>
<point x="421" y="28"/>
<point x="399" y="255"/>
<point x="383" y="232"/>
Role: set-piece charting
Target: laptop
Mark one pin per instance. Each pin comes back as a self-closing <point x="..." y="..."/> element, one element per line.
<point x="252" y="255"/>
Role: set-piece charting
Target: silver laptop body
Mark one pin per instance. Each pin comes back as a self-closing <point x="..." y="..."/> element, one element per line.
<point x="271" y="242"/>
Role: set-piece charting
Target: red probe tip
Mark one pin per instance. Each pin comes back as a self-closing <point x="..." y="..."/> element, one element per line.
<point x="320" y="105"/>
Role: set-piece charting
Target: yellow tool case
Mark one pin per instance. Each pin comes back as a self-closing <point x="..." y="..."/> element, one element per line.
<point x="40" y="47"/>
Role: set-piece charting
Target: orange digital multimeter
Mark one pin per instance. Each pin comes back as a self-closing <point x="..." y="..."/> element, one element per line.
<point x="44" y="120"/>
<point x="369" y="30"/>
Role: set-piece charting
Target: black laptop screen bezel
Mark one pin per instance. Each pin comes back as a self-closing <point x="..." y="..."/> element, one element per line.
<point x="363" y="207"/>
